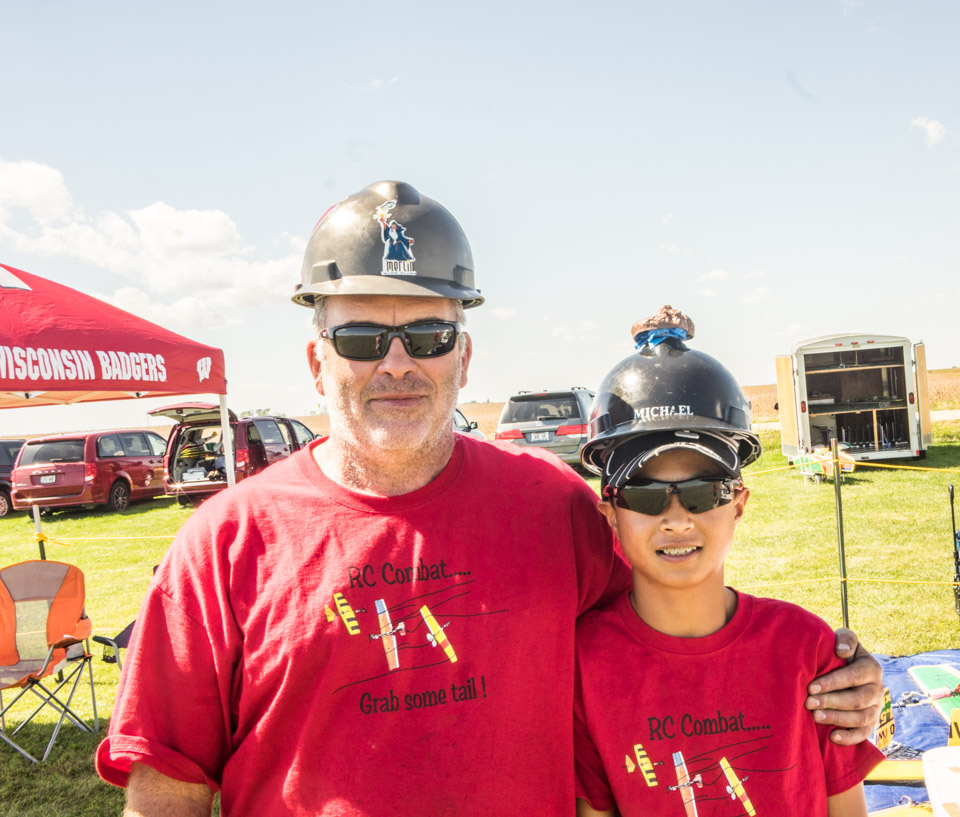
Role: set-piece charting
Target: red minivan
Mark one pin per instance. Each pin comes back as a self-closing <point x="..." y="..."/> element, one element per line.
<point x="194" y="465"/>
<point x="112" y="468"/>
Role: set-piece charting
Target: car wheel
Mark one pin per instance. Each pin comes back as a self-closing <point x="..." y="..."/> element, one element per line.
<point x="5" y="506"/>
<point x="119" y="499"/>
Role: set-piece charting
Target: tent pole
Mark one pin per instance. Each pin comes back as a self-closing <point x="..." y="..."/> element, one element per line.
<point x="39" y="529"/>
<point x="837" y="477"/>
<point x="229" y="451"/>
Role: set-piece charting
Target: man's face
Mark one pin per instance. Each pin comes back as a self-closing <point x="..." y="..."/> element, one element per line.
<point x="676" y="548"/>
<point x="399" y="403"/>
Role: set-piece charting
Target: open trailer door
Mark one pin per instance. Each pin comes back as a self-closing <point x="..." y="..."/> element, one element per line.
<point x="923" y="399"/>
<point x="787" y="402"/>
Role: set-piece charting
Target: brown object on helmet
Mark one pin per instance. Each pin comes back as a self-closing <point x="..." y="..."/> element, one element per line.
<point x="666" y="318"/>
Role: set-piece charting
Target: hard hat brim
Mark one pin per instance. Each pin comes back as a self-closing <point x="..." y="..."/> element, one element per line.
<point x="625" y="460"/>
<point x="396" y="287"/>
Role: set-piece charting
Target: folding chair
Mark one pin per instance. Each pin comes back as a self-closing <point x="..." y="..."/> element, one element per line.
<point x="43" y="630"/>
<point x="119" y="642"/>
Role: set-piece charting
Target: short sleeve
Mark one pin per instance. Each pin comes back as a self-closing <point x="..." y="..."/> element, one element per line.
<point x="844" y="766"/>
<point x="173" y="706"/>
<point x="590" y="777"/>
<point x="602" y="572"/>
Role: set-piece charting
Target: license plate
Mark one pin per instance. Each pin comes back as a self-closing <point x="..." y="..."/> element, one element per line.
<point x="539" y="436"/>
<point x="48" y="479"/>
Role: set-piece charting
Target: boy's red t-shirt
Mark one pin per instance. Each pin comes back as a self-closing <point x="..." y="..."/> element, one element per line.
<point x="657" y="718"/>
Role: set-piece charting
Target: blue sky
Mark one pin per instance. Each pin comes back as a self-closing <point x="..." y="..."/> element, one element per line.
<point x="777" y="171"/>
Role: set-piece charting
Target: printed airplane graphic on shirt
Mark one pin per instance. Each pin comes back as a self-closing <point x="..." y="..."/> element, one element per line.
<point x="712" y="776"/>
<point x="735" y="789"/>
<point x="389" y="634"/>
<point x="436" y="634"/>
<point x="643" y="763"/>
<point x="405" y="627"/>
<point x="685" y="784"/>
<point x="347" y="614"/>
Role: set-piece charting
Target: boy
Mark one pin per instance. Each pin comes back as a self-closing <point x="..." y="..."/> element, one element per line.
<point x="674" y="713"/>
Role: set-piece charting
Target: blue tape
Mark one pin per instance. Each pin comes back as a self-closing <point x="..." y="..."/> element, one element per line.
<point x="654" y="337"/>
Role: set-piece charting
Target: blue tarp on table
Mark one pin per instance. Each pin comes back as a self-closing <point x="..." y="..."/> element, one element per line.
<point x="919" y="727"/>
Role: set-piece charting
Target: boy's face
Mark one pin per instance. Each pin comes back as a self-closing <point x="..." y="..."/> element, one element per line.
<point x="676" y="548"/>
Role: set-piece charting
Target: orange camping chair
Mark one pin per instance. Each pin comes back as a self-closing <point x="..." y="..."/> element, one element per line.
<point x="43" y="631"/>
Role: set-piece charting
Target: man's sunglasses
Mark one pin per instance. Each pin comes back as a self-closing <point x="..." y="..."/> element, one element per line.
<point x="370" y="341"/>
<point x="649" y="497"/>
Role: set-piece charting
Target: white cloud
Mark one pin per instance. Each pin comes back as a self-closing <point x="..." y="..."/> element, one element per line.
<point x="568" y="331"/>
<point x="196" y="259"/>
<point x="934" y="130"/>
<point x="379" y="83"/>
<point x="755" y="296"/>
<point x="503" y="313"/>
<point x="666" y="218"/>
<point x="756" y="274"/>
<point x="38" y="189"/>
<point x="186" y="311"/>
<point x="707" y="292"/>
<point x="673" y="248"/>
<point x="715" y="275"/>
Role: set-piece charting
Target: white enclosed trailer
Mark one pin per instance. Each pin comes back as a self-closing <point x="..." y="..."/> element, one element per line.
<point x="869" y="391"/>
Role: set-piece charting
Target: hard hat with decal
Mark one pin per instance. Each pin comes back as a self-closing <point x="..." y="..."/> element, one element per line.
<point x="388" y="239"/>
<point x="666" y="396"/>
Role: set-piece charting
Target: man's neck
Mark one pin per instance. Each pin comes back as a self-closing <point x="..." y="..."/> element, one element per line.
<point x="692" y="612"/>
<point x="382" y="473"/>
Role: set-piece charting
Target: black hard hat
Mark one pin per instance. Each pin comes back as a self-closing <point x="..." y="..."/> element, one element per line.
<point x="668" y="396"/>
<point x="388" y="239"/>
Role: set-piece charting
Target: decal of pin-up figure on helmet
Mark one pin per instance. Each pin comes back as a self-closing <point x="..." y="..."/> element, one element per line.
<point x="397" y="257"/>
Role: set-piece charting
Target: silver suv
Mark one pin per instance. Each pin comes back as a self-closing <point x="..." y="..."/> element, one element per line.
<point x="555" y="420"/>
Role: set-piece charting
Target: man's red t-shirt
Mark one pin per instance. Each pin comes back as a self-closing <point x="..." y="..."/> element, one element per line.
<point x="311" y="650"/>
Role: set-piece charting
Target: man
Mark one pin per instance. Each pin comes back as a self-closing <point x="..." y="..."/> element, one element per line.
<point x="381" y="624"/>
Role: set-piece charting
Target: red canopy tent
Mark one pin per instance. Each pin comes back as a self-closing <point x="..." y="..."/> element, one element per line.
<point x="60" y="346"/>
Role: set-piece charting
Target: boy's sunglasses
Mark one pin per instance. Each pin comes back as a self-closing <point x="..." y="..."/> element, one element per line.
<point x="370" y="341"/>
<point x="649" y="497"/>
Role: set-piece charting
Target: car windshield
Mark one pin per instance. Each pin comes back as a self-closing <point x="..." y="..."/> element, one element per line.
<point x="59" y="451"/>
<point x="541" y="407"/>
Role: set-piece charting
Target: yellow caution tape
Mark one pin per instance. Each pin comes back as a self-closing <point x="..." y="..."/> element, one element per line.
<point x="114" y="538"/>
<point x="42" y="537"/>
<point x="847" y="579"/>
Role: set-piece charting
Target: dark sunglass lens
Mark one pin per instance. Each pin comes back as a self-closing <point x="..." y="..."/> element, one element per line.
<point x="430" y="339"/>
<point x="359" y="342"/>
<point x="645" y="499"/>
<point x="699" y="498"/>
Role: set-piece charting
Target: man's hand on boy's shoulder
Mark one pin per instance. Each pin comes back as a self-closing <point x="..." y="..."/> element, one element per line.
<point x="849" y="697"/>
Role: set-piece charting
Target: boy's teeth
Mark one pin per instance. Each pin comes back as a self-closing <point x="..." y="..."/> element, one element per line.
<point x="677" y="551"/>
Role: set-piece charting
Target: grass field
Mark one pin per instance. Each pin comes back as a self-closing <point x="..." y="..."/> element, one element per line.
<point x="897" y="526"/>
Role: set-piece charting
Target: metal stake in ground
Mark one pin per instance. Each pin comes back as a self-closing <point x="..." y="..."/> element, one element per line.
<point x="843" y="559"/>
<point x="956" y="553"/>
